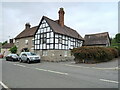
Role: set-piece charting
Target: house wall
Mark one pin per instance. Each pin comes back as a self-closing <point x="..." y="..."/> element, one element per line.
<point x="5" y="51"/>
<point x="24" y="43"/>
<point x="55" y="55"/>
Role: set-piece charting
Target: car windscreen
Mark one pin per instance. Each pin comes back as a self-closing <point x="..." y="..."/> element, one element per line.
<point x="31" y="54"/>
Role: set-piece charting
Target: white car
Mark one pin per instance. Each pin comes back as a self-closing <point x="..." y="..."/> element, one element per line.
<point x="29" y="57"/>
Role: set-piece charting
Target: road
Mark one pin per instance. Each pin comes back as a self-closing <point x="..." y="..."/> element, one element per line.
<point x="60" y="75"/>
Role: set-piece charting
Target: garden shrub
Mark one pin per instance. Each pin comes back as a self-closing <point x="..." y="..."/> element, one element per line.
<point x="95" y="54"/>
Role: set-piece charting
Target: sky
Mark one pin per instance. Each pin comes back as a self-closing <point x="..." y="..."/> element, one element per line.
<point x="84" y="17"/>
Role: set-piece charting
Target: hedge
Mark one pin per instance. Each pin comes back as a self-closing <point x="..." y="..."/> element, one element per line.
<point x="94" y="54"/>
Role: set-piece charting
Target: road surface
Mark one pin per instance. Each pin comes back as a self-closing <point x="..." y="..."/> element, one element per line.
<point x="60" y="75"/>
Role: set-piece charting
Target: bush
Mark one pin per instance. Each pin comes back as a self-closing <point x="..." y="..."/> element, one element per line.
<point x="13" y="49"/>
<point x="94" y="54"/>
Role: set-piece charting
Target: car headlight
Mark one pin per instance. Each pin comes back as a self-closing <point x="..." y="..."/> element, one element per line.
<point x="14" y="57"/>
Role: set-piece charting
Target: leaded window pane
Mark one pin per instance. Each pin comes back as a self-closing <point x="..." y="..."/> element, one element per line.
<point x="47" y="46"/>
<point x="48" y="40"/>
<point x="41" y="46"/>
<point x="56" y="46"/>
<point x="44" y="46"/>
<point x="52" y="34"/>
<point x="51" y="46"/>
<point x="48" y="35"/>
<point x="56" y="35"/>
<point x="56" y="40"/>
<point x="51" y="40"/>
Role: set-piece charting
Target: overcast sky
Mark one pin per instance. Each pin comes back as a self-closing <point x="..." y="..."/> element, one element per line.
<point x="84" y="17"/>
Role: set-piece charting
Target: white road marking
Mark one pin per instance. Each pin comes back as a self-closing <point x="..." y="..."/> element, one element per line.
<point x="109" y="81"/>
<point x="4" y="85"/>
<point x="114" y="68"/>
<point x="43" y="69"/>
<point x="52" y="71"/>
<point x="75" y="66"/>
<point x="19" y="65"/>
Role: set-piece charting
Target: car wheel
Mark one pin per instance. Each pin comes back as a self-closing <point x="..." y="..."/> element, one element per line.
<point x="28" y="61"/>
<point x="38" y="61"/>
<point x="20" y="60"/>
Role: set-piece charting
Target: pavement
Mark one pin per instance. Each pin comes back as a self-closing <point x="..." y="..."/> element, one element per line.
<point x="60" y="75"/>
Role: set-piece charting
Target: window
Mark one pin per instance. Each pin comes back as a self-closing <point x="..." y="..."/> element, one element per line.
<point x="26" y="42"/>
<point x="56" y="40"/>
<point x="44" y="53"/>
<point x="65" y="53"/>
<point x="60" y="40"/>
<point x="40" y="46"/>
<point x="56" y="46"/>
<point x="56" y="35"/>
<point x="47" y="46"/>
<point x="48" y="29"/>
<point x="51" y="34"/>
<point x="51" y="46"/>
<point x="48" y="35"/>
<point x="51" y="40"/>
<point x="60" y="46"/>
<point x="17" y="43"/>
<point x="32" y="42"/>
<point x="44" y="40"/>
<point x="44" y="46"/>
<point x="48" y="40"/>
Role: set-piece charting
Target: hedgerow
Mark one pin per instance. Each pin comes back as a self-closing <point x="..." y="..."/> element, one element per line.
<point x="94" y="54"/>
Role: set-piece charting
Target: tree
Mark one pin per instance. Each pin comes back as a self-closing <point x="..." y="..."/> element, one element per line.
<point x="4" y="43"/>
<point x="13" y="49"/>
<point x="117" y="38"/>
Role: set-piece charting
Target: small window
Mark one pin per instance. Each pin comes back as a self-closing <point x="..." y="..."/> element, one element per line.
<point x="17" y="43"/>
<point x="51" y="46"/>
<point x="33" y="42"/>
<point x="44" y="40"/>
<point x="65" y="53"/>
<point x="26" y="42"/>
<point x="51" y="40"/>
<point x="60" y="40"/>
<point x="51" y="34"/>
<point x="44" y="53"/>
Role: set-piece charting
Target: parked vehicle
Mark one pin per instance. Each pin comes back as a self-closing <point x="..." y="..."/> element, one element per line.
<point x="29" y="57"/>
<point x="1" y="55"/>
<point x="12" y="57"/>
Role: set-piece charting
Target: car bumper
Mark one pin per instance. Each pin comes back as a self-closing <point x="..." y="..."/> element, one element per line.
<point x="38" y="60"/>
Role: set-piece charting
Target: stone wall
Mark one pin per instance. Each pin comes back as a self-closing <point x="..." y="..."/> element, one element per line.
<point x="55" y="55"/>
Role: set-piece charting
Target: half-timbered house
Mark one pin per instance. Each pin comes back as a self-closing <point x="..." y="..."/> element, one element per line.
<point x="53" y="40"/>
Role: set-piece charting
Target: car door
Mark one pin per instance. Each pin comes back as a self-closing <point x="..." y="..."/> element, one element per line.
<point x="25" y="57"/>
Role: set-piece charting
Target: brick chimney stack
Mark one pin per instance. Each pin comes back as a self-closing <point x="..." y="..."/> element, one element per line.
<point x="61" y="17"/>
<point x="27" y="26"/>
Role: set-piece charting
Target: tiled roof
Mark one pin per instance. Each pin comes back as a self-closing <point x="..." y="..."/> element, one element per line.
<point x="62" y="30"/>
<point x="56" y="28"/>
<point x="8" y="45"/>
<point x="96" y="39"/>
<point x="27" y="33"/>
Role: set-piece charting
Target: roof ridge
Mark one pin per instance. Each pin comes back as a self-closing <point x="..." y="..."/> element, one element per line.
<point x="97" y="33"/>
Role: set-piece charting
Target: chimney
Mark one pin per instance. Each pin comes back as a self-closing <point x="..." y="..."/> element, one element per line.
<point x="27" y="26"/>
<point x="61" y="17"/>
<point x="10" y="40"/>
